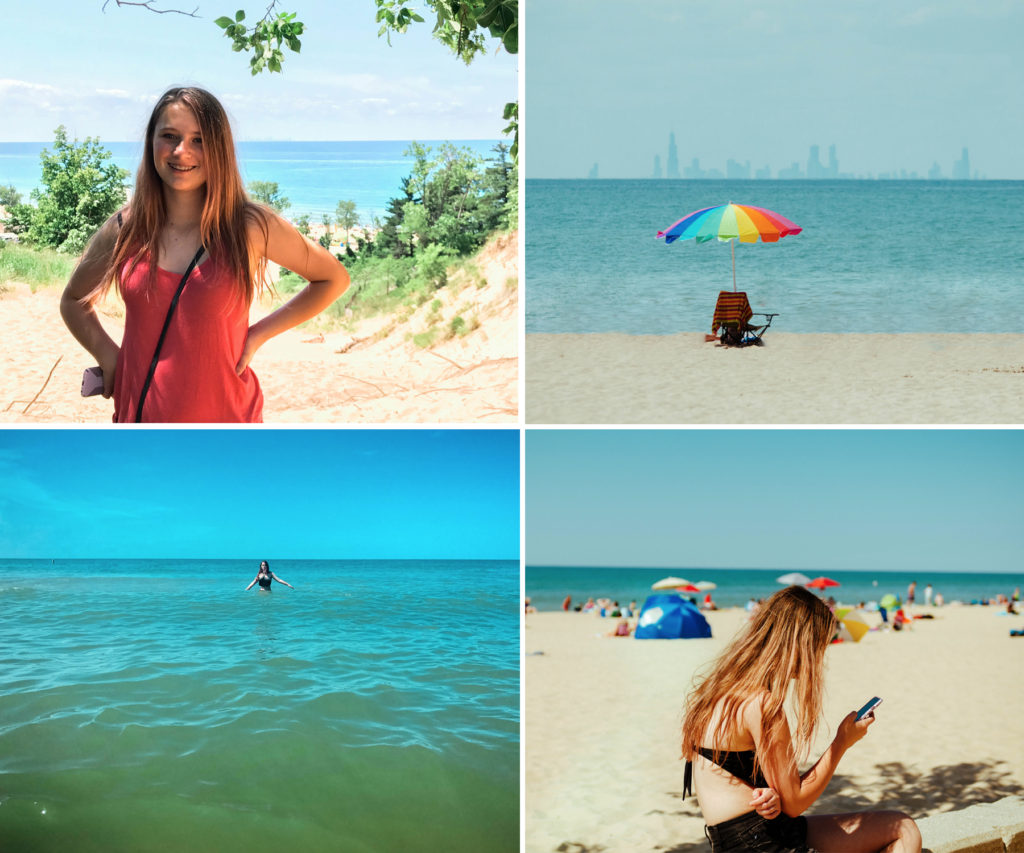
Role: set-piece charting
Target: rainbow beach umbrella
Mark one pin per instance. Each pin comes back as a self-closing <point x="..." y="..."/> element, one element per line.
<point x="731" y="222"/>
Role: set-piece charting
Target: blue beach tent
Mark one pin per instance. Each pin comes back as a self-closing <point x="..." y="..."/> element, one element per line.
<point x="670" y="617"/>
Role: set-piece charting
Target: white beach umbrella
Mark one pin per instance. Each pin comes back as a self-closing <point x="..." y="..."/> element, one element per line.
<point x="794" y="579"/>
<point x="706" y="586"/>
<point x="671" y="583"/>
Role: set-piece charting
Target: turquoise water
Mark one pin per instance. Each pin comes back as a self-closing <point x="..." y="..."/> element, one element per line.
<point x="155" y="705"/>
<point x="547" y="586"/>
<point x="314" y="176"/>
<point x="874" y="256"/>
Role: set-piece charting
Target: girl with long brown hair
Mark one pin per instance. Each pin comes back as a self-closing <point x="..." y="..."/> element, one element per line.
<point x="743" y="755"/>
<point x="187" y="255"/>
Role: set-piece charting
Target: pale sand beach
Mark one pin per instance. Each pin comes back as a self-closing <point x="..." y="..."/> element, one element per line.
<point x="602" y="718"/>
<point x="793" y="379"/>
<point x="374" y="373"/>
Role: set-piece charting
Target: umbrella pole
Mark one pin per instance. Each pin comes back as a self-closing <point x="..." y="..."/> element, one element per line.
<point x="732" y="243"/>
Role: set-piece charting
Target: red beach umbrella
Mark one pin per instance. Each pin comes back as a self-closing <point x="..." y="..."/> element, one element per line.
<point x="822" y="583"/>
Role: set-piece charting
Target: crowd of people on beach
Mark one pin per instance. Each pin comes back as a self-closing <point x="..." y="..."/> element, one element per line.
<point x="894" y="612"/>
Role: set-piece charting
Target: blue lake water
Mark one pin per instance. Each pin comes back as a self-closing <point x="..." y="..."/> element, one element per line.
<point x="547" y="586"/>
<point x="874" y="256"/>
<point x="156" y="705"/>
<point x="314" y="176"/>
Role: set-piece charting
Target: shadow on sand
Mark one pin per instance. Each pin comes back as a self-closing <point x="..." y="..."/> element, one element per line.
<point x="941" y="789"/>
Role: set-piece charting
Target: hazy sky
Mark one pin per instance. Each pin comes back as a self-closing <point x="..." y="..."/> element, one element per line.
<point x="99" y="73"/>
<point x="892" y="85"/>
<point x="936" y="500"/>
<point x="301" y="494"/>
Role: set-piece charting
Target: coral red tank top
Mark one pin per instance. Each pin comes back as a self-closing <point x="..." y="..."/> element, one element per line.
<point x="195" y="379"/>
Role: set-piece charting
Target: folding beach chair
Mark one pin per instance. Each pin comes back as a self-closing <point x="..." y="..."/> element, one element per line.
<point x="733" y="316"/>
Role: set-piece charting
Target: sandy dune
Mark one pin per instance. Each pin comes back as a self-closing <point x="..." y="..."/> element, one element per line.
<point x="374" y="374"/>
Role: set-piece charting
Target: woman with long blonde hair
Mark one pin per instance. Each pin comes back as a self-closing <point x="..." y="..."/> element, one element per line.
<point x="187" y="255"/>
<point x="742" y="754"/>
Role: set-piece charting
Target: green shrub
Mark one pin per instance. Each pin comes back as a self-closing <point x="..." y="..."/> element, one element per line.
<point x="82" y="190"/>
<point x="425" y="339"/>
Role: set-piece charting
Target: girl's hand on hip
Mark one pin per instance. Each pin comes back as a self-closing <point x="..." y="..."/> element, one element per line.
<point x="248" y="351"/>
<point x="766" y="803"/>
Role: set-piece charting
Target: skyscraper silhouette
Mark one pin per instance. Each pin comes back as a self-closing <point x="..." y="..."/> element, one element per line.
<point x="672" y="163"/>
<point x="962" y="168"/>
<point x="814" y="167"/>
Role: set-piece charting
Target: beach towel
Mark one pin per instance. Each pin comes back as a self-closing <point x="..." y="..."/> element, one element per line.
<point x="731" y="309"/>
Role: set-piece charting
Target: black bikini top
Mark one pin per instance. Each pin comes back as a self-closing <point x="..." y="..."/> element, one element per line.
<point x="738" y="764"/>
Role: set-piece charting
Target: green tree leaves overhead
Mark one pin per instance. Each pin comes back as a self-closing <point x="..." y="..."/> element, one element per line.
<point x="265" y="39"/>
<point x="82" y="188"/>
<point x="459" y="24"/>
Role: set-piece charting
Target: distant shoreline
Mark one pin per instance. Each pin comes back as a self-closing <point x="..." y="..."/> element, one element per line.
<point x="368" y="172"/>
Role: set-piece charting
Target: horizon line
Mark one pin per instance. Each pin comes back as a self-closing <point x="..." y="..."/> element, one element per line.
<point x="529" y="565"/>
<point x="787" y="180"/>
<point x="308" y="559"/>
<point x="287" y="139"/>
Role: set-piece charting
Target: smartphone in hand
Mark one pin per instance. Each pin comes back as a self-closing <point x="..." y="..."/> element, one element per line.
<point x="92" y="382"/>
<point x="869" y="707"/>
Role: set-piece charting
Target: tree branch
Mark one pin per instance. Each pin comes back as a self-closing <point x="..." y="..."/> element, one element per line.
<point x="148" y="4"/>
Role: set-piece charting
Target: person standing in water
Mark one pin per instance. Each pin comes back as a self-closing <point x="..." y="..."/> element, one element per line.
<point x="264" y="577"/>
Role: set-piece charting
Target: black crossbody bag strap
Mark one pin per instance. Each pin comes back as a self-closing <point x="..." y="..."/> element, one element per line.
<point x="163" y="334"/>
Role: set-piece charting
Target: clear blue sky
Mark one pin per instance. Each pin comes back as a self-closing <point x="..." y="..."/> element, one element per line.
<point x="67" y="62"/>
<point x="892" y="85"/>
<point x="303" y="494"/>
<point x="941" y="500"/>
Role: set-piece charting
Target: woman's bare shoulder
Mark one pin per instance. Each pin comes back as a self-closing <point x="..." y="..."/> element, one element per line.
<point x="260" y="221"/>
<point x="751" y="712"/>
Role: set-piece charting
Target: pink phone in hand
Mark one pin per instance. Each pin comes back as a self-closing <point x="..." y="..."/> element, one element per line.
<point x="92" y="382"/>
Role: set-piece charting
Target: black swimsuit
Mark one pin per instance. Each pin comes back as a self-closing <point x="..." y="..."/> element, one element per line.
<point x="738" y="764"/>
<point x="264" y="580"/>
